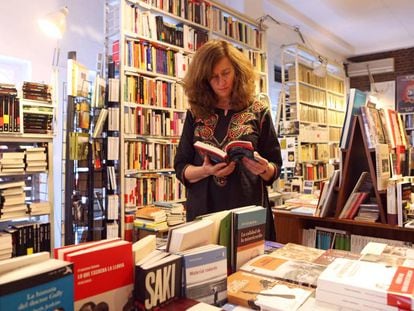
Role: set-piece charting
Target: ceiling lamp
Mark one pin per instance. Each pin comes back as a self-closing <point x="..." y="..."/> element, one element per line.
<point x="320" y="69"/>
<point x="54" y="24"/>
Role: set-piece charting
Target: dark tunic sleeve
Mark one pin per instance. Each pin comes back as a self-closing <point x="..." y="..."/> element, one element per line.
<point x="196" y="193"/>
<point x="268" y="145"/>
<point x="185" y="149"/>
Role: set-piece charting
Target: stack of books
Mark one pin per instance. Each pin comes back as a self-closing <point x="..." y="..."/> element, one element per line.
<point x="37" y="91"/>
<point x="150" y="218"/>
<point x="6" y="246"/>
<point x="12" y="161"/>
<point x="12" y="199"/>
<point x="39" y="207"/>
<point x="36" y="159"/>
<point x="175" y="212"/>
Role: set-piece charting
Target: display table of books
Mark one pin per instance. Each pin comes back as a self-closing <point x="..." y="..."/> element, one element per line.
<point x="197" y="274"/>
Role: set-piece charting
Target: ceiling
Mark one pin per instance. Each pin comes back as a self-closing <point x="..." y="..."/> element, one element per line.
<point x="352" y="27"/>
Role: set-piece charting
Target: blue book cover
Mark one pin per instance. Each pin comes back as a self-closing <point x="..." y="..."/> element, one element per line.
<point x="49" y="290"/>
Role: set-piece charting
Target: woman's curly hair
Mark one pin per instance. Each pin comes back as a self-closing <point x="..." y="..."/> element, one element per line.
<point x="201" y="96"/>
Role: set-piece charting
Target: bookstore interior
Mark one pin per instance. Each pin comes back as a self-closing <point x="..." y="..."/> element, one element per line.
<point x="93" y="214"/>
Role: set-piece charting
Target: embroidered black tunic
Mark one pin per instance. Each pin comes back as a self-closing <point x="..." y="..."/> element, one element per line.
<point x="240" y="188"/>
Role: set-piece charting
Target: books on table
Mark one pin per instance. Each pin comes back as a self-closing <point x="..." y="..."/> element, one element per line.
<point x="297" y="252"/>
<point x="373" y="283"/>
<point x="255" y="291"/>
<point x="295" y="271"/>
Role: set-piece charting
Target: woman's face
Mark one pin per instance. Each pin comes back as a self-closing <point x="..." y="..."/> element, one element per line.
<point x="222" y="78"/>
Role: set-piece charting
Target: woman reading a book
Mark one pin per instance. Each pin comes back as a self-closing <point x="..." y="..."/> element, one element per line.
<point x="220" y="87"/>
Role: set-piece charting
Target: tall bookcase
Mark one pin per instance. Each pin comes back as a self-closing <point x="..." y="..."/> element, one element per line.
<point x="26" y="172"/>
<point x="151" y="44"/>
<point x="87" y="190"/>
<point x="312" y="112"/>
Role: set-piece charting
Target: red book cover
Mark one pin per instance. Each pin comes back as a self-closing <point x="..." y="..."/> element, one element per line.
<point x="401" y="290"/>
<point x="103" y="275"/>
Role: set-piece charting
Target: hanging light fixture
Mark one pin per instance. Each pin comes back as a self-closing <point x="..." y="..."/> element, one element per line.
<point x="320" y="68"/>
<point x="54" y="24"/>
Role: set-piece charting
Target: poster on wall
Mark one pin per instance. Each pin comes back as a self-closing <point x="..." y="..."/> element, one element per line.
<point x="383" y="94"/>
<point x="287" y="146"/>
<point x="405" y="94"/>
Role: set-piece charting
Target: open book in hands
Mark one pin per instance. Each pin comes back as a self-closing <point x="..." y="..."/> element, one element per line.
<point x="233" y="151"/>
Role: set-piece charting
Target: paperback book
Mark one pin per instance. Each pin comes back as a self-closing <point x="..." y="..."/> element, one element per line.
<point x="205" y="274"/>
<point x="157" y="280"/>
<point x="38" y="284"/>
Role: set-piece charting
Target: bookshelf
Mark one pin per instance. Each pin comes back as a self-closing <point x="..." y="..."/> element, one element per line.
<point x="312" y="113"/>
<point x="358" y="158"/>
<point x="86" y="187"/>
<point x="26" y="178"/>
<point x="289" y="227"/>
<point x="151" y="44"/>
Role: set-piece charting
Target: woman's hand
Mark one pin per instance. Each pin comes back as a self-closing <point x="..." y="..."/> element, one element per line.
<point x="196" y="173"/>
<point x="259" y="166"/>
<point x="221" y="169"/>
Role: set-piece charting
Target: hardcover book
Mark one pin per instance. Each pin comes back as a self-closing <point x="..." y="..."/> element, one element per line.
<point x="233" y="151"/>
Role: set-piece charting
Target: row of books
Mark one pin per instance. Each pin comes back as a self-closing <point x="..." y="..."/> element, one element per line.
<point x="148" y="121"/>
<point x="26" y="237"/>
<point x="9" y="109"/>
<point x="352" y="242"/>
<point x="236" y="29"/>
<point x="158" y="93"/>
<point x="36" y="119"/>
<point x="147" y="189"/>
<point x="146" y="56"/>
<point x="144" y="155"/>
<point x="144" y="23"/>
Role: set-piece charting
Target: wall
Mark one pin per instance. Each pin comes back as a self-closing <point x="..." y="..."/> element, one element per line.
<point x="403" y="65"/>
<point x="21" y="38"/>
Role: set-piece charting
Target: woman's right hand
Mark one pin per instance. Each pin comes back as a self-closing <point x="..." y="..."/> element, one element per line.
<point x="196" y="173"/>
<point x="221" y="169"/>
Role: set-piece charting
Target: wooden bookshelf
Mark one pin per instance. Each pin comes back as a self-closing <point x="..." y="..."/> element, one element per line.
<point x="152" y="104"/>
<point x="357" y="159"/>
<point x="289" y="227"/>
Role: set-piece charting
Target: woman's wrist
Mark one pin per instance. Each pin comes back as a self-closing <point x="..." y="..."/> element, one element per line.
<point x="269" y="172"/>
<point x="265" y="170"/>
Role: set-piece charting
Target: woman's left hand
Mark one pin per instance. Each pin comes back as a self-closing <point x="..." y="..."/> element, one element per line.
<point x="259" y="166"/>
